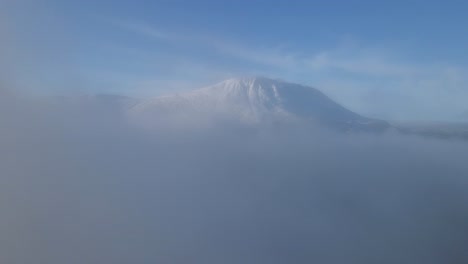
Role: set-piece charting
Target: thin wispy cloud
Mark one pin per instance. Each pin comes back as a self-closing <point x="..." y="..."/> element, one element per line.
<point x="268" y="56"/>
<point x="356" y="60"/>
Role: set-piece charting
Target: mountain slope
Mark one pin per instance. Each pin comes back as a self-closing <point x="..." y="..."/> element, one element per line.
<point x="260" y="99"/>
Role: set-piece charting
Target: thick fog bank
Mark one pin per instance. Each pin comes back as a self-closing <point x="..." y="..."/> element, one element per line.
<point x="85" y="186"/>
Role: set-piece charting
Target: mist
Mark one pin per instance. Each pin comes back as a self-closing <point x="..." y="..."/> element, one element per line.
<point x="81" y="184"/>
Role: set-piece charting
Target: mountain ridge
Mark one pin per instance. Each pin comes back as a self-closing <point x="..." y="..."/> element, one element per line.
<point x="256" y="99"/>
<point x="252" y="100"/>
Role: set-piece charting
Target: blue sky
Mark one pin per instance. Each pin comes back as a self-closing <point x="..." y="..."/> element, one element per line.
<point x="401" y="60"/>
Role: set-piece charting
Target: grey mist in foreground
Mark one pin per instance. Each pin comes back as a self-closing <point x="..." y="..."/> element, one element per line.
<point x="274" y="174"/>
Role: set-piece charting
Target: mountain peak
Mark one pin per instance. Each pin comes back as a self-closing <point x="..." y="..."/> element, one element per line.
<point x="251" y="81"/>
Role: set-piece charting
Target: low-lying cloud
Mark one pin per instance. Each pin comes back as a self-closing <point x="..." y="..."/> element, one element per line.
<point x="81" y="185"/>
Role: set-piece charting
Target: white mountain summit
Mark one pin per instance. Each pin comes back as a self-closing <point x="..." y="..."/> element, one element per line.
<point x="258" y="99"/>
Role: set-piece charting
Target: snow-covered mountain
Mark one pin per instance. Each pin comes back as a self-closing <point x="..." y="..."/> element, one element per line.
<point x="251" y="101"/>
<point x="258" y="99"/>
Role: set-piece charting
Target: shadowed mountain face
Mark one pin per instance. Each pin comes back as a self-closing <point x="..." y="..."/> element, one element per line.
<point x="257" y="99"/>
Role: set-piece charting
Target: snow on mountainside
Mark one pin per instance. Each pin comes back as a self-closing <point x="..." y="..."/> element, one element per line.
<point x="259" y="99"/>
<point x="245" y="100"/>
